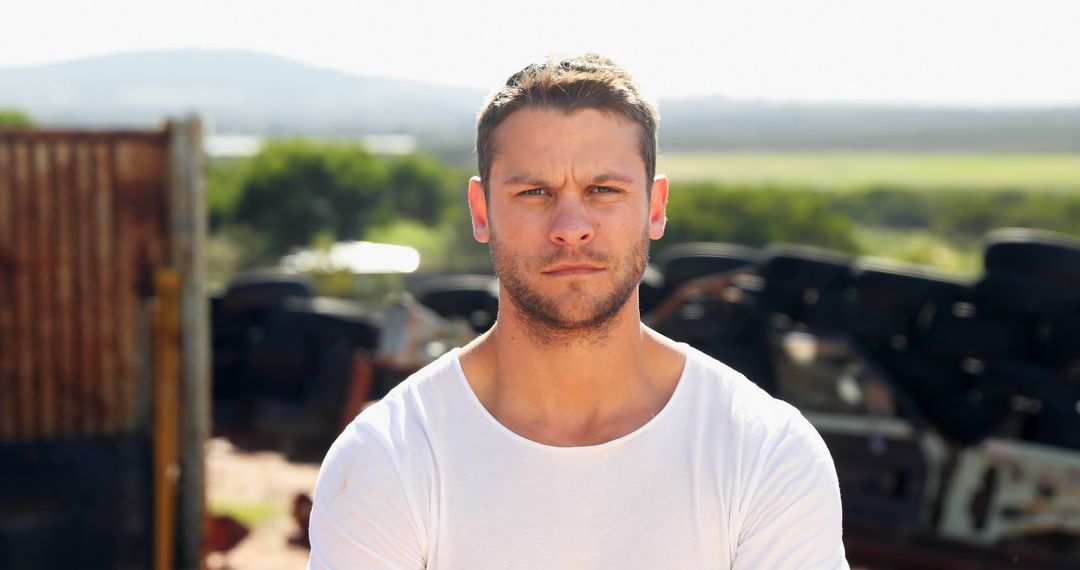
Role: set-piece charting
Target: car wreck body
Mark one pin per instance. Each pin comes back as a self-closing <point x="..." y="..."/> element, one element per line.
<point x="951" y="407"/>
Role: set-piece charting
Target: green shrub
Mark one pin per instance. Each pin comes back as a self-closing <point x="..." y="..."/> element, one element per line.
<point x="756" y="216"/>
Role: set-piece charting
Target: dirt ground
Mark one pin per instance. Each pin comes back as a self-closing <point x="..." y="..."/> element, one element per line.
<point x="257" y="484"/>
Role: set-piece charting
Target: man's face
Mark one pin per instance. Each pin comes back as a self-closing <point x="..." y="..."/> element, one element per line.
<point x="568" y="216"/>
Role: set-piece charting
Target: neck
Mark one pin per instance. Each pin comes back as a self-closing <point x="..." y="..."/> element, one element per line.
<point x="565" y="388"/>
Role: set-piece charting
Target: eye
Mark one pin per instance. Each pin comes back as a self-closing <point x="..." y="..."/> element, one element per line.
<point x="606" y="190"/>
<point x="534" y="192"/>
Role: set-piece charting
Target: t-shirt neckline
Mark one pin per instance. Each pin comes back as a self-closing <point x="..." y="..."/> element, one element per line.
<point x="474" y="400"/>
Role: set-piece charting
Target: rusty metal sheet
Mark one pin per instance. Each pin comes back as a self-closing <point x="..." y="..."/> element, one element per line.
<point x="83" y="228"/>
<point x="22" y="334"/>
<point x="85" y="283"/>
<point x="8" y="400"/>
<point x="103" y="259"/>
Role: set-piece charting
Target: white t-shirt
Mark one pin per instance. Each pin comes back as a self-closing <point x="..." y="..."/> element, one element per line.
<point x="724" y="476"/>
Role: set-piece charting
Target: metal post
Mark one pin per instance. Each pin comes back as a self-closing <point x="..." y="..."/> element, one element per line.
<point x="187" y="207"/>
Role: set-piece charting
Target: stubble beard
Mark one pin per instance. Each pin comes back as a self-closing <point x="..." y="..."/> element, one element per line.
<point x="543" y="317"/>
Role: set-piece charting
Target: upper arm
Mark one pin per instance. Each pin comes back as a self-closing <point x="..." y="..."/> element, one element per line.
<point x="362" y="517"/>
<point x="792" y="516"/>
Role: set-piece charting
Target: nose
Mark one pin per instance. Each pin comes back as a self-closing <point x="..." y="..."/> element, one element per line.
<point x="571" y="225"/>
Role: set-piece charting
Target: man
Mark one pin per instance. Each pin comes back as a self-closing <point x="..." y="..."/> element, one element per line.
<point x="570" y="435"/>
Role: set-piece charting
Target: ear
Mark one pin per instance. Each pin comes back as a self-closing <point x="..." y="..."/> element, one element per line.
<point x="658" y="207"/>
<point x="479" y="210"/>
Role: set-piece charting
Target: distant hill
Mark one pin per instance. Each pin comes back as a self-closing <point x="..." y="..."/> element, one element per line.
<point x="719" y="123"/>
<point x="259" y="94"/>
<point x="237" y="91"/>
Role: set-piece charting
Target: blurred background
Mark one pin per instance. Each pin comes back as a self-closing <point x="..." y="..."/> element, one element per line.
<point x="875" y="214"/>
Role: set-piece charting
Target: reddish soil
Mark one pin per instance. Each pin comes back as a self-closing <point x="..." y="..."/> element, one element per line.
<point x="263" y="481"/>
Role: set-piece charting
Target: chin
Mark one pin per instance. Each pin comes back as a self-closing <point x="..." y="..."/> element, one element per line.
<point x="586" y="312"/>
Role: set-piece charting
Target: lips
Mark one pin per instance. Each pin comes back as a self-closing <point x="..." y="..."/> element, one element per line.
<point x="564" y="269"/>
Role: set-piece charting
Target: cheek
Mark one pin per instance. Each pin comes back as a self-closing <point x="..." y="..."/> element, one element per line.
<point x="626" y="224"/>
<point x="511" y="220"/>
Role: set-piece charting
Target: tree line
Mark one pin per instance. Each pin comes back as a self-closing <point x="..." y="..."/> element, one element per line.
<point x="297" y="193"/>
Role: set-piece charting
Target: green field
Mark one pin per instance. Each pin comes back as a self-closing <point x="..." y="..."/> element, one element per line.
<point x="960" y="258"/>
<point x="851" y="170"/>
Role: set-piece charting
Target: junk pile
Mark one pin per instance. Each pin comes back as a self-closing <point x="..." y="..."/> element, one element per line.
<point x="951" y="407"/>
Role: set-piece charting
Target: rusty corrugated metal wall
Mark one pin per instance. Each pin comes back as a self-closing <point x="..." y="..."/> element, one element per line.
<point x="82" y="227"/>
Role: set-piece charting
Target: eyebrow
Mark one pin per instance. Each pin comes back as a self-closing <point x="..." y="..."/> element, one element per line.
<point x="533" y="180"/>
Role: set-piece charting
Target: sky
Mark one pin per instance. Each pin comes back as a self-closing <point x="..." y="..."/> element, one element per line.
<point x="963" y="52"/>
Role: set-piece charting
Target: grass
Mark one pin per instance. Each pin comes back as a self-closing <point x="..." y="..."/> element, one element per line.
<point x="247" y="514"/>
<point x="921" y="247"/>
<point x="854" y="170"/>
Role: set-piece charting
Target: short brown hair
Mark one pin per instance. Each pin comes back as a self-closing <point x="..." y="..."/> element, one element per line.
<point x="568" y="84"/>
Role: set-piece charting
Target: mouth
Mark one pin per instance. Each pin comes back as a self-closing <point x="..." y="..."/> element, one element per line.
<point x="570" y="269"/>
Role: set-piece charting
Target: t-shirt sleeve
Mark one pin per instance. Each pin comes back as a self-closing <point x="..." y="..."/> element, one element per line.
<point x="791" y="515"/>
<point x="362" y="517"/>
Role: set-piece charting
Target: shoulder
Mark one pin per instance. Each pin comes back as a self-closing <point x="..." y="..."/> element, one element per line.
<point x="778" y="474"/>
<point x="408" y="407"/>
<point x="376" y="486"/>
<point x="757" y="432"/>
<point x="745" y="406"/>
<point x="391" y="439"/>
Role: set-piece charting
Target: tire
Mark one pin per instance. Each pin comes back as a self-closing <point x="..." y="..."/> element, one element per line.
<point x="1014" y="295"/>
<point x="951" y="399"/>
<point x="825" y="308"/>
<point x="215" y="300"/>
<point x="687" y="261"/>
<point x="796" y="276"/>
<point x="1060" y="347"/>
<point x="910" y="285"/>
<point x="1033" y="252"/>
<point x="280" y="359"/>
<point x="1029" y="379"/>
<point x="700" y="323"/>
<point x="1059" y="428"/>
<point x="259" y="291"/>
<point x="329" y="319"/>
<point x="334" y="330"/>
<point x="737" y="315"/>
<point x="954" y="333"/>
<point x="226" y="329"/>
<point x="885" y="301"/>
<point x="474" y="298"/>
<point x="1057" y="421"/>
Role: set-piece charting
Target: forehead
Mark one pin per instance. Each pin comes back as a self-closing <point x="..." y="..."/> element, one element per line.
<point x="550" y="142"/>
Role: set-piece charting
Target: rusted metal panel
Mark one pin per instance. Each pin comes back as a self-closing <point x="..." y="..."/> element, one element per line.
<point x="22" y="334"/>
<point x="8" y="403"/>
<point x="140" y="171"/>
<point x="103" y="259"/>
<point x="89" y="415"/>
<point x="61" y="167"/>
<point x="87" y="220"/>
<point x="44" y="276"/>
<point x="83" y="227"/>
